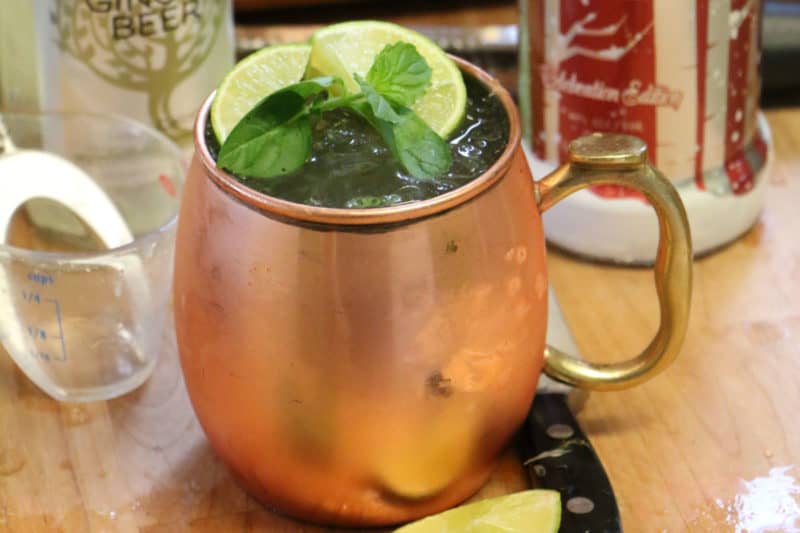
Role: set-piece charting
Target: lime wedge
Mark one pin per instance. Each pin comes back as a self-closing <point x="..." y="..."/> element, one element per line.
<point x="253" y="78"/>
<point x="531" y="511"/>
<point x="350" y="47"/>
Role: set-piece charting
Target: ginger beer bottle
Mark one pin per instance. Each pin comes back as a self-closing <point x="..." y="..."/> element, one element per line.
<point x="683" y="75"/>
<point x="152" y="60"/>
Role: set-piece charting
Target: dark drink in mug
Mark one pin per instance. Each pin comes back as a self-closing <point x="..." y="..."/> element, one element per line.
<point x="350" y="165"/>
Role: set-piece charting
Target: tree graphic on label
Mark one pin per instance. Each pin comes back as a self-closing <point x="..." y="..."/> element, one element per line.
<point x="565" y="49"/>
<point x="142" y="46"/>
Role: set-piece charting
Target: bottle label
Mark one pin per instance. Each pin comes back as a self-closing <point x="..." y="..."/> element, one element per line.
<point x="680" y="74"/>
<point x="154" y="60"/>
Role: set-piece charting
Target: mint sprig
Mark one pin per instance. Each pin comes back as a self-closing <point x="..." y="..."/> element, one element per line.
<point x="400" y="74"/>
<point x="274" y="138"/>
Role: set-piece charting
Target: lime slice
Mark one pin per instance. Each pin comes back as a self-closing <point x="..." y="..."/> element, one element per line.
<point x="350" y="47"/>
<point x="531" y="511"/>
<point x="253" y="78"/>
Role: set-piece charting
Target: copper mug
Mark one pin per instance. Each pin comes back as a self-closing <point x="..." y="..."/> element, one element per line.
<point x="367" y="366"/>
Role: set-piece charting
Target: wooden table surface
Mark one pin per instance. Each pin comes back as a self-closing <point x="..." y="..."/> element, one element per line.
<point x="709" y="445"/>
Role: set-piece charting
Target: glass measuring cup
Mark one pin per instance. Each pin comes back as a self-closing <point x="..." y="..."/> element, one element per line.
<point x="83" y="321"/>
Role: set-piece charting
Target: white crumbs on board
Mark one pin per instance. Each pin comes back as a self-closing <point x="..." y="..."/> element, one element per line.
<point x="767" y="504"/>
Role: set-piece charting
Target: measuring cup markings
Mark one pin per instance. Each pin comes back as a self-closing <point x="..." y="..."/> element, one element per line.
<point x="37" y="331"/>
<point x="111" y="302"/>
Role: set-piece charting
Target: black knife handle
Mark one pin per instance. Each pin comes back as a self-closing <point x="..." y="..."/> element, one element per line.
<point x="558" y="456"/>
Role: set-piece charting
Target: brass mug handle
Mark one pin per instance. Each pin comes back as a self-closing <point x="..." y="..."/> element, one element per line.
<point x="603" y="158"/>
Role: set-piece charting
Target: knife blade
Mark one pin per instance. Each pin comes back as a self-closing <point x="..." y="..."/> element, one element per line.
<point x="558" y="455"/>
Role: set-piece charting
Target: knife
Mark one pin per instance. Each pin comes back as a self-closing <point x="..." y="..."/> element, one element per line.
<point x="556" y="452"/>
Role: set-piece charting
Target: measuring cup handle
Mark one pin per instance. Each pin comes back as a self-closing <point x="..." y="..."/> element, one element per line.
<point x="622" y="160"/>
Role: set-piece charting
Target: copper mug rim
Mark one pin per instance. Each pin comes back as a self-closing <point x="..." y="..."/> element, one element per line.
<point x="369" y="216"/>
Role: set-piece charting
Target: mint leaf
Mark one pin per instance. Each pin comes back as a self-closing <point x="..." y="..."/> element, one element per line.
<point x="420" y="149"/>
<point x="400" y="74"/>
<point x="396" y="79"/>
<point x="273" y="152"/>
<point x="380" y="105"/>
<point x="274" y="138"/>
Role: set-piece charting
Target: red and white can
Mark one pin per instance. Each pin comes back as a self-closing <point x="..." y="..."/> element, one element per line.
<point x="681" y="74"/>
